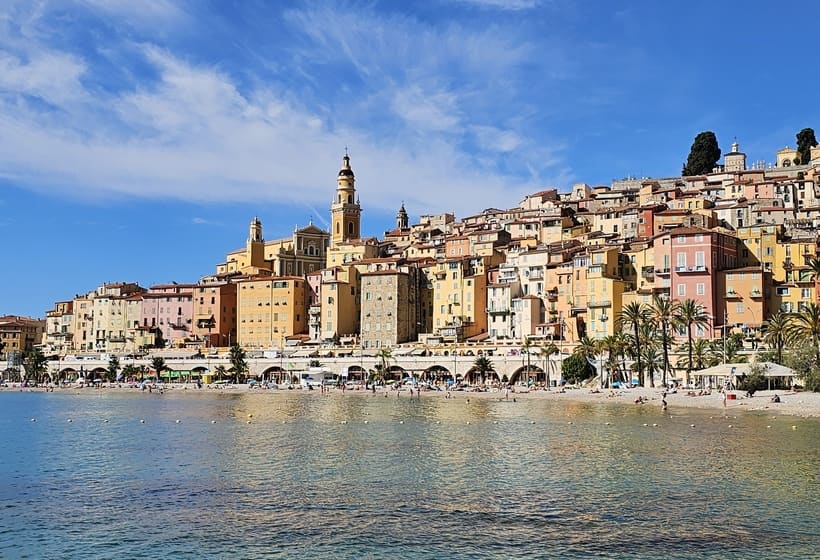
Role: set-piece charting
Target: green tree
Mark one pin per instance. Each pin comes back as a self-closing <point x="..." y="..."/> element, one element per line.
<point x="35" y="364"/>
<point x="665" y="313"/>
<point x="805" y="325"/>
<point x="526" y="354"/>
<point x="482" y="366"/>
<point x="631" y="317"/>
<point x="546" y="351"/>
<point x="698" y="355"/>
<point x="690" y="314"/>
<point x="755" y="381"/>
<point x="776" y="333"/>
<point x="239" y="364"/>
<point x="220" y="372"/>
<point x="158" y="365"/>
<point x="703" y="156"/>
<point x="575" y="368"/>
<point x="805" y="142"/>
<point x="130" y="371"/>
<point x="384" y="357"/>
<point x="801" y="358"/>
<point x="113" y="368"/>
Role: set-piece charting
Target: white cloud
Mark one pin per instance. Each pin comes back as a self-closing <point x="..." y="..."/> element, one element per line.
<point x="193" y="132"/>
<point x="514" y="5"/>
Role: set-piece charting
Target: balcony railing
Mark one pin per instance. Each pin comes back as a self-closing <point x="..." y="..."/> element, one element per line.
<point x="755" y="293"/>
<point x="690" y="269"/>
<point x="731" y="294"/>
<point x="498" y="310"/>
<point x="600" y="303"/>
<point x="661" y="270"/>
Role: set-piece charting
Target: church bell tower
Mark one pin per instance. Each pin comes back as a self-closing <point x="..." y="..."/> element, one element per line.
<point x="345" y="211"/>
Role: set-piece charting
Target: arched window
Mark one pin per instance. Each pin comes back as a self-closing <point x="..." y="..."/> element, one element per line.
<point x="350" y="199"/>
<point x="350" y="228"/>
<point x="337" y="228"/>
<point x="340" y="199"/>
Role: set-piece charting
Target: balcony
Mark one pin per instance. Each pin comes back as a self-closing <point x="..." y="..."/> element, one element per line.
<point x="600" y="303"/>
<point x="691" y="269"/>
<point x="662" y="270"/>
<point x="648" y="271"/>
<point x="731" y="294"/>
<point x="116" y="338"/>
<point x="552" y="295"/>
<point x="755" y="293"/>
<point x="498" y="310"/>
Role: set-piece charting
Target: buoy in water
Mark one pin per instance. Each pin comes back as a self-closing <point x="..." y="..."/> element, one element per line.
<point x="142" y="421"/>
<point x="179" y="421"/>
<point x="33" y="419"/>
<point x="213" y="421"/>
<point x="69" y="420"/>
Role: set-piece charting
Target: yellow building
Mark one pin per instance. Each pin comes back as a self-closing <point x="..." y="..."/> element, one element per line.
<point x="744" y="293"/>
<point x="459" y="298"/>
<point x="19" y="335"/>
<point x="340" y="303"/>
<point x="759" y="247"/>
<point x="345" y="212"/>
<point x="270" y="309"/>
<point x="303" y="252"/>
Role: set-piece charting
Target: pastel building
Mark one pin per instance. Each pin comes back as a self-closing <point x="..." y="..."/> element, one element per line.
<point x="167" y="310"/>
<point x="270" y="309"/>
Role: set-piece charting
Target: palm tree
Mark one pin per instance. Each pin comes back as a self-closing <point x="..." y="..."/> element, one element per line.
<point x="113" y="368"/>
<point x="591" y="350"/>
<point x="239" y="366"/>
<point x="548" y="350"/>
<point x="814" y="265"/>
<point x="633" y="315"/>
<point x="776" y="333"/>
<point x="651" y="355"/>
<point x="159" y="365"/>
<point x="690" y="314"/>
<point x="664" y="311"/>
<point x="482" y="366"/>
<point x="699" y="355"/>
<point x="385" y="356"/>
<point x="805" y="325"/>
<point x="220" y="371"/>
<point x="525" y="351"/>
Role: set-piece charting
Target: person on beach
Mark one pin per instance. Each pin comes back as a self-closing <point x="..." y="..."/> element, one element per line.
<point x="663" y="401"/>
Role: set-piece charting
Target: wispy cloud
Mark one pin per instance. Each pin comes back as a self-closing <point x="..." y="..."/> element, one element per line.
<point x="428" y="130"/>
<point x="514" y="5"/>
<point x="196" y="220"/>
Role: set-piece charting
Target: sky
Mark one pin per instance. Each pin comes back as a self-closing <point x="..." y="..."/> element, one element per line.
<point x="139" y="139"/>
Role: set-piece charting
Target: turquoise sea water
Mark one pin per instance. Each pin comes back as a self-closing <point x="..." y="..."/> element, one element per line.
<point x="361" y="476"/>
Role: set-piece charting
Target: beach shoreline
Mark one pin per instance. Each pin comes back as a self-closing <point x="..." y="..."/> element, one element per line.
<point x="800" y="404"/>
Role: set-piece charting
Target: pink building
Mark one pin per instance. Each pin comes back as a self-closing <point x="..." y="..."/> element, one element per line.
<point x="169" y="308"/>
<point x="688" y="260"/>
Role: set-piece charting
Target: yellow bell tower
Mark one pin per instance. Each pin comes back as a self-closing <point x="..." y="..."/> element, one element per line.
<point x="345" y="211"/>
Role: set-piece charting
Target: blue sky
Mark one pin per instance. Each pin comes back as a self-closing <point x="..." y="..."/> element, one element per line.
<point x="139" y="138"/>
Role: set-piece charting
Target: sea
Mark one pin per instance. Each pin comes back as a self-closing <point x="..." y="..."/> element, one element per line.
<point x="288" y="474"/>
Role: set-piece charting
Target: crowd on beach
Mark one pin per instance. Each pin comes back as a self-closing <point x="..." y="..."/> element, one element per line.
<point x="784" y="402"/>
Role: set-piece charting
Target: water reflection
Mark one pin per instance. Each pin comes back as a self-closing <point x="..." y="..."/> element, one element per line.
<point x="357" y="475"/>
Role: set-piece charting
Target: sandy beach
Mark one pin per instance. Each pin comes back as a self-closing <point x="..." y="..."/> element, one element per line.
<point x="802" y="404"/>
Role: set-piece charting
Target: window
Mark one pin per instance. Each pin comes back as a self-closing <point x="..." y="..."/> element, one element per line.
<point x="739" y="308"/>
<point x="681" y="289"/>
<point x="700" y="289"/>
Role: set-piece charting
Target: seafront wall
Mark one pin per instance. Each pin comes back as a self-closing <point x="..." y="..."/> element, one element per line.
<point x="510" y="366"/>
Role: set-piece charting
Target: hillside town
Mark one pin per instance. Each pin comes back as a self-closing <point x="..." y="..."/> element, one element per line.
<point x="559" y="267"/>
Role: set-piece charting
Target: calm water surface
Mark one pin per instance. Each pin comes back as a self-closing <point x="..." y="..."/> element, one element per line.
<point x="361" y="476"/>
